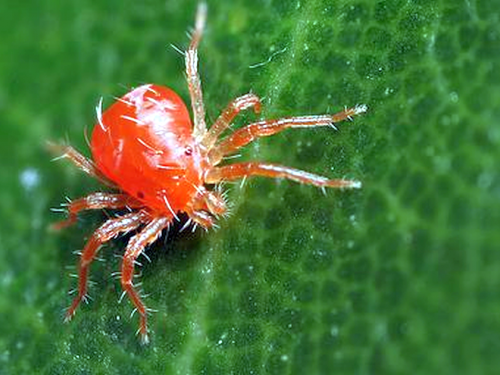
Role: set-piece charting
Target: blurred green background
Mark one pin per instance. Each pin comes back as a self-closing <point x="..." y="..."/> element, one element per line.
<point x="401" y="277"/>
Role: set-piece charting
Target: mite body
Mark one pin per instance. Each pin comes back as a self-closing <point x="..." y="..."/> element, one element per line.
<point x="161" y="163"/>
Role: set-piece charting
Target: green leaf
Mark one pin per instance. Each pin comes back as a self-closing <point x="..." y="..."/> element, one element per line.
<point x="401" y="276"/>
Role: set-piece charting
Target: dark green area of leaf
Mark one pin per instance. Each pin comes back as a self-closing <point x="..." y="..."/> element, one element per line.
<point x="402" y="276"/>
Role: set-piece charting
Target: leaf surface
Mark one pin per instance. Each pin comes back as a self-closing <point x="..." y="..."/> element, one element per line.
<point x="401" y="276"/>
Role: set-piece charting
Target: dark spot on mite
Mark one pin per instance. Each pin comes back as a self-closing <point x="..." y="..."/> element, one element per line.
<point x="188" y="151"/>
<point x="140" y="195"/>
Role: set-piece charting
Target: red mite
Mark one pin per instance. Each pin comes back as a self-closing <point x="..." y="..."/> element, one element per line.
<point x="146" y="148"/>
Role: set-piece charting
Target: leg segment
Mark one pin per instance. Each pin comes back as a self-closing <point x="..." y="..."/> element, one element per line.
<point x="135" y="247"/>
<point x="80" y="161"/>
<point x="227" y="116"/>
<point x="205" y="207"/>
<point x="96" y="201"/>
<point x="202" y="218"/>
<point x="243" y="170"/>
<point x="103" y="234"/>
<point x="266" y="128"/>
<point x="193" y="78"/>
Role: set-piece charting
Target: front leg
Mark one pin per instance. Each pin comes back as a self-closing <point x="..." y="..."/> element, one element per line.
<point x="242" y="170"/>
<point x="193" y="78"/>
<point x="227" y="116"/>
<point x="265" y="128"/>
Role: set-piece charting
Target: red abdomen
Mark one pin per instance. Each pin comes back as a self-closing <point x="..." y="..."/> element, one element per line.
<point x="143" y="142"/>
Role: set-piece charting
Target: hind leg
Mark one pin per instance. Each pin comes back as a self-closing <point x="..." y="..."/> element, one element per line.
<point x="135" y="247"/>
<point x="103" y="234"/>
<point x="96" y="201"/>
<point x="80" y="161"/>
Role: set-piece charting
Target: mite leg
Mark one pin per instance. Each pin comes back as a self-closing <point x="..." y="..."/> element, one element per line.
<point x="80" y="161"/>
<point x="207" y="200"/>
<point x="243" y="170"/>
<point x="135" y="247"/>
<point x="227" y="116"/>
<point x="103" y="234"/>
<point x="265" y="128"/>
<point x="204" y="207"/>
<point x="193" y="78"/>
<point x="96" y="201"/>
<point x="200" y="217"/>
